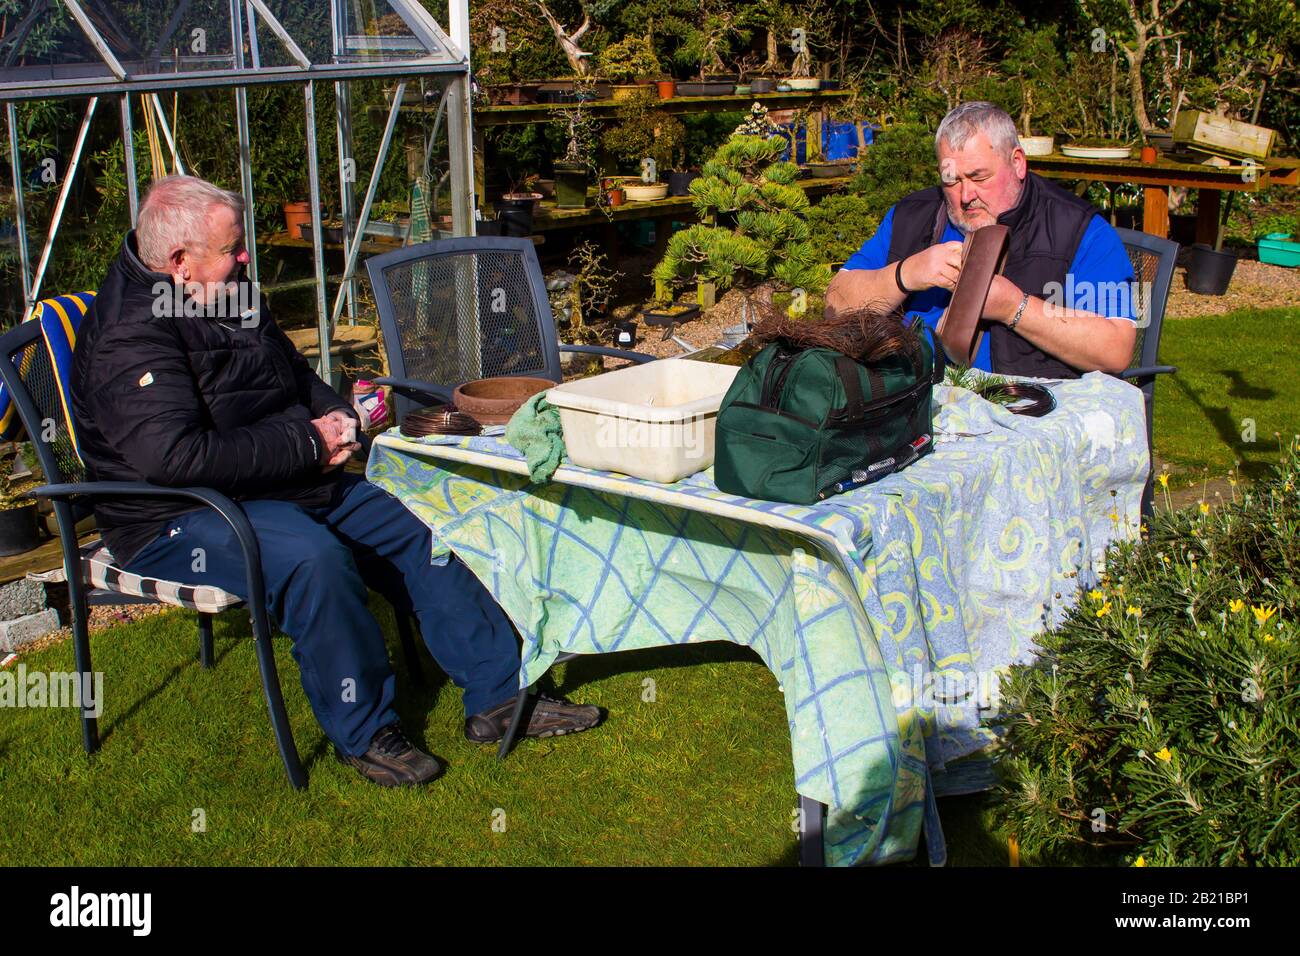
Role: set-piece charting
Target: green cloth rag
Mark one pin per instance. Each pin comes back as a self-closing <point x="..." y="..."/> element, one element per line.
<point x="535" y="430"/>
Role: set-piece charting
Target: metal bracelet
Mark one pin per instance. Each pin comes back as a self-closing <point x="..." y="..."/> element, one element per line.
<point x="1019" y="312"/>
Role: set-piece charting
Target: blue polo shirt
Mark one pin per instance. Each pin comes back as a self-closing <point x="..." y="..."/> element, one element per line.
<point x="1100" y="267"/>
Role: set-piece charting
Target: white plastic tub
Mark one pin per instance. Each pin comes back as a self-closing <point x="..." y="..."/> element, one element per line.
<point x="654" y="421"/>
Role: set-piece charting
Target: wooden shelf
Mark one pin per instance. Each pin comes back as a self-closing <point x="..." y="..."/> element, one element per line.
<point x="1167" y="172"/>
<point x="371" y="247"/>
<point x="485" y="116"/>
<point x="550" y="216"/>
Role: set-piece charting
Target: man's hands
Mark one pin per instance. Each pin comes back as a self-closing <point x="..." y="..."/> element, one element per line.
<point x="935" y="267"/>
<point x="338" y="432"/>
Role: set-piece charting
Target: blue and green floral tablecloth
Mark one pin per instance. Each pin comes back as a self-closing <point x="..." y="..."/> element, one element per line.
<point x="886" y="613"/>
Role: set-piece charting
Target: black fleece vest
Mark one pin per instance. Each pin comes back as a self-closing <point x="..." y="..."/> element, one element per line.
<point x="1047" y="225"/>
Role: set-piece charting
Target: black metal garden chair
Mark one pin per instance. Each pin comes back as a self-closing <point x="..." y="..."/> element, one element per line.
<point x="1153" y="260"/>
<point x="455" y="310"/>
<point x="90" y="572"/>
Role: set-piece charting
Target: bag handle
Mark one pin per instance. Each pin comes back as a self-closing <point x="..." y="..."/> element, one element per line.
<point x="855" y="405"/>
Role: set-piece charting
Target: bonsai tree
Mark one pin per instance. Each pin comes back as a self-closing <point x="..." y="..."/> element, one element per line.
<point x="758" y="232"/>
<point x="568" y="39"/>
<point x="630" y="59"/>
<point x="590" y="291"/>
<point x="642" y="130"/>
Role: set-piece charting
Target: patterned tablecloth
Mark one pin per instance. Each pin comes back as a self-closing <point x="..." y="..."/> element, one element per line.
<point x="886" y="613"/>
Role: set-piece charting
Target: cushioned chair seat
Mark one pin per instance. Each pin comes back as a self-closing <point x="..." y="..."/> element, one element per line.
<point x="98" y="569"/>
<point x="97" y="564"/>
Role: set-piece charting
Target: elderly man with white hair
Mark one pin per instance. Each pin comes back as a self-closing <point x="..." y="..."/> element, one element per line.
<point x="1062" y="304"/>
<point x="181" y="378"/>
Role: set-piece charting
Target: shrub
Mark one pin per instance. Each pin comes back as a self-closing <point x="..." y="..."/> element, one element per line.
<point x="1160" y="723"/>
<point x="840" y="224"/>
<point x="898" y="163"/>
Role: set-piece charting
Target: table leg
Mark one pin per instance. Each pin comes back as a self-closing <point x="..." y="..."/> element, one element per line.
<point x="1207" y="217"/>
<point x="663" y="229"/>
<point x="1155" y="210"/>
<point x="812" y="822"/>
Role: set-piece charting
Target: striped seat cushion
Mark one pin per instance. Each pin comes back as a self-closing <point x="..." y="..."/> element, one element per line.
<point x="98" y="567"/>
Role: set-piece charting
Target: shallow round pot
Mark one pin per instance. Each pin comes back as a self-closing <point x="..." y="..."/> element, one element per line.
<point x="491" y="401"/>
<point x="804" y="82"/>
<point x="640" y="192"/>
<point x="1038" y="145"/>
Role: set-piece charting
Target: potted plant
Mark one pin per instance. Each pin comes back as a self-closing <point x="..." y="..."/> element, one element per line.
<point x="758" y="232"/>
<point x="705" y="43"/>
<point x="801" y="77"/>
<point x="572" y="169"/>
<point x="19" y="531"/>
<point x="629" y="64"/>
<point x="517" y="207"/>
<point x="641" y="131"/>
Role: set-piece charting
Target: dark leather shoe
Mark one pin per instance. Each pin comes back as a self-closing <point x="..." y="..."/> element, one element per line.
<point x="392" y="760"/>
<point x="544" y="717"/>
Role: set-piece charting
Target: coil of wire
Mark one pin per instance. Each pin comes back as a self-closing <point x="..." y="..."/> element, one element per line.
<point x="439" y="420"/>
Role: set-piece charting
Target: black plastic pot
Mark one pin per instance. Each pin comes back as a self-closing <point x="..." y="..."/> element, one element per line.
<point x="679" y="184"/>
<point x="624" y="335"/>
<point x="1209" y="272"/>
<point x="516" y="215"/>
<point x="18" y="530"/>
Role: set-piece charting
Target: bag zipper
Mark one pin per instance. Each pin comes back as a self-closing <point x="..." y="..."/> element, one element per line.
<point x="883" y="403"/>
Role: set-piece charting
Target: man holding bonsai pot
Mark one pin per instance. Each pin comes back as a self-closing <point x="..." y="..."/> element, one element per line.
<point x="1063" y="304"/>
<point x="174" y="386"/>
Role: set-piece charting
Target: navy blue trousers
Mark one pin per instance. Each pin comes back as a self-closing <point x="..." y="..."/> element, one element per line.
<point x="318" y="563"/>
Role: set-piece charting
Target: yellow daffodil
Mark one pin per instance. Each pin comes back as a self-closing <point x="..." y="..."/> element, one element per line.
<point x="1134" y="611"/>
<point x="1205" y="509"/>
<point x="1263" y="613"/>
<point x="1164" y="754"/>
<point x="1095" y="595"/>
<point x="1236" y="606"/>
<point x="1103" y="610"/>
<point x="1164" y="480"/>
<point x="1140" y="861"/>
<point x="1267" y="638"/>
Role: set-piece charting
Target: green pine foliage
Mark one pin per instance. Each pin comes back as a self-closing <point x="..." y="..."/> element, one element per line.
<point x="1160" y="724"/>
<point x="840" y="224"/>
<point x="899" y="162"/>
<point x="746" y="180"/>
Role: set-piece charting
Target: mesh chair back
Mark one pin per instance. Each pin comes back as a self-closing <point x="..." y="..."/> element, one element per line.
<point x="455" y="310"/>
<point x="1153" y="260"/>
<point x="30" y="379"/>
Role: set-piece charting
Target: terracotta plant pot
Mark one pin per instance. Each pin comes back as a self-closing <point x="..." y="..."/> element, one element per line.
<point x="617" y="196"/>
<point x="667" y="89"/>
<point x="295" y="215"/>
<point x="491" y="401"/>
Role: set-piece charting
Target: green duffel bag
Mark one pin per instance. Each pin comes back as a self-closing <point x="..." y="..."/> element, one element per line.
<point x="799" y="425"/>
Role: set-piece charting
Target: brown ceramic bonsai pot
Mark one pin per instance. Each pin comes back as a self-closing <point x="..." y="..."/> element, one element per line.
<point x="491" y="401"/>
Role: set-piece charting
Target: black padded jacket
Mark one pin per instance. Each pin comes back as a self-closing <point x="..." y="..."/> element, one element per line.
<point x="186" y="400"/>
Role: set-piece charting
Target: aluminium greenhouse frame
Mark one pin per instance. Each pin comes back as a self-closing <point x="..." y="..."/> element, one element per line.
<point x="437" y="53"/>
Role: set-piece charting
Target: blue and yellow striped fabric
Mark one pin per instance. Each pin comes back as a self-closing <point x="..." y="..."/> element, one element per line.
<point x="60" y="318"/>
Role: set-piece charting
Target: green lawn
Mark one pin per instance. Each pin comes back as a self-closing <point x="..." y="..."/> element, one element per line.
<point x="1232" y="369"/>
<point x="700" y="776"/>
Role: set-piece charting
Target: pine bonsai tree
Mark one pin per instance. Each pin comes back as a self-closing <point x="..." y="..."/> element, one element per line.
<point x="752" y="225"/>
